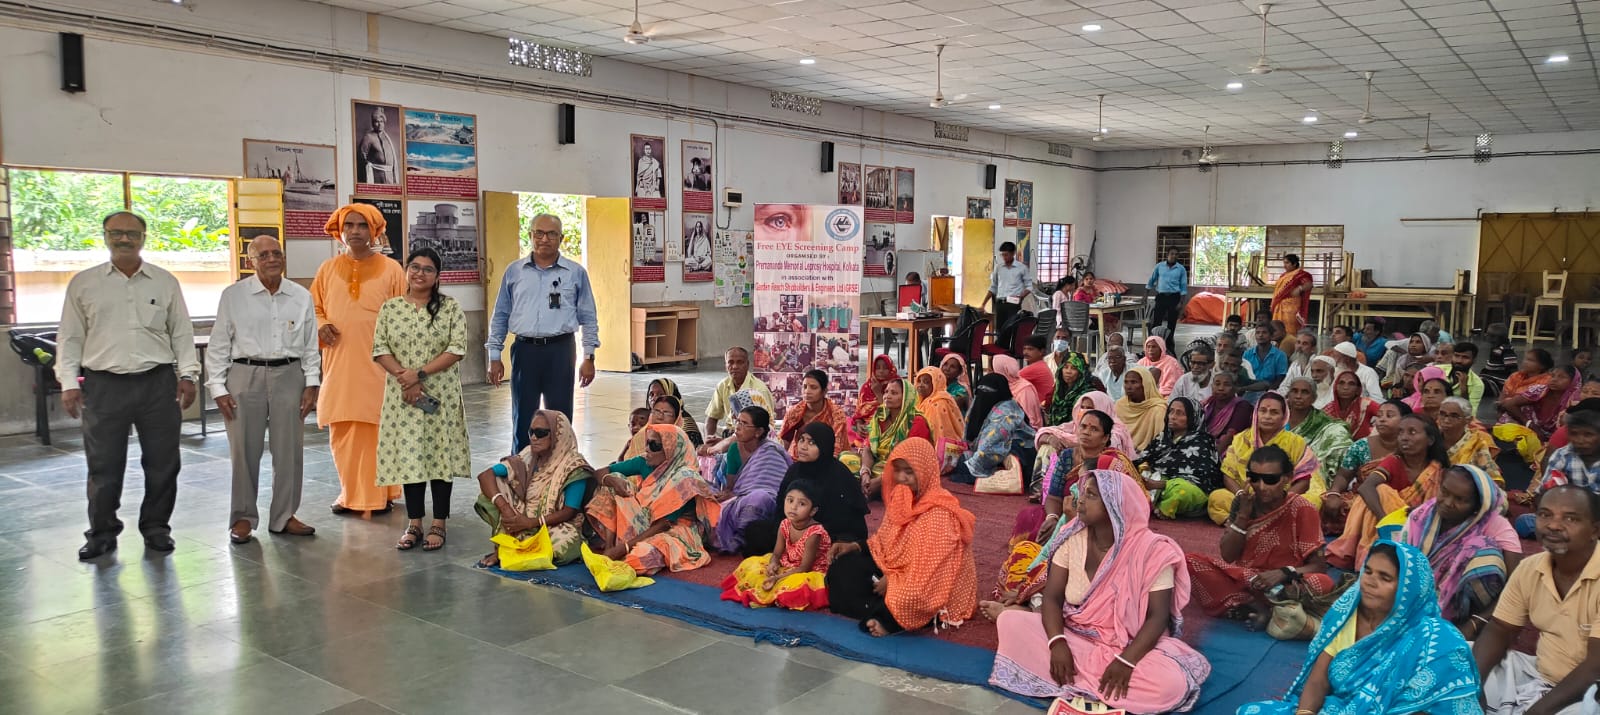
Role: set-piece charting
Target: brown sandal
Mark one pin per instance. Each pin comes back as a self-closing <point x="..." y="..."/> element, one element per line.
<point x="409" y="538"/>
<point x="434" y="531"/>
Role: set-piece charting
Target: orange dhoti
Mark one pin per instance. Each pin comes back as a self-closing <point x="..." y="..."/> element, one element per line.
<point x="355" y="455"/>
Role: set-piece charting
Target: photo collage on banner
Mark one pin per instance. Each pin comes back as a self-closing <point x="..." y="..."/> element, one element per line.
<point x="310" y="182"/>
<point x="905" y="193"/>
<point x="849" y="184"/>
<point x="978" y="207"/>
<point x="808" y="299"/>
<point x="731" y="255"/>
<point x="699" y="182"/>
<point x="647" y="164"/>
<point x="419" y="167"/>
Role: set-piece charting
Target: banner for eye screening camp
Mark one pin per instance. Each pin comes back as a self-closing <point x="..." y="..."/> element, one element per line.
<point x="808" y="299"/>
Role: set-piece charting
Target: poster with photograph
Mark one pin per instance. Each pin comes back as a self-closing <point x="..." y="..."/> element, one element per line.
<point x="1024" y="243"/>
<point x="879" y="257"/>
<point x="310" y="189"/>
<point x="696" y="245"/>
<point x="905" y="193"/>
<point x="807" y="299"/>
<point x="649" y="172"/>
<point x="380" y="148"/>
<point x="441" y="154"/>
<point x="649" y="246"/>
<point x="241" y="253"/>
<point x="1009" y="207"/>
<point x="393" y="244"/>
<point x="978" y="207"/>
<point x="849" y="184"/>
<point x="1025" y="204"/>
<point x="730" y="261"/>
<point x="699" y="184"/>
<point x="451" y="228"/>
<point x="879" y="194"/>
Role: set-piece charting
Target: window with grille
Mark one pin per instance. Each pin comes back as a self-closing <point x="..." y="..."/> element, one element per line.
<point x="1053" y="251"/>
<point x="1321" y="251"/>
<point x="1176" y="238"/>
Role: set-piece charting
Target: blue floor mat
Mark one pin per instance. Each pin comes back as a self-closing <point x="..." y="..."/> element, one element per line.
<point x="1245" y="666"/>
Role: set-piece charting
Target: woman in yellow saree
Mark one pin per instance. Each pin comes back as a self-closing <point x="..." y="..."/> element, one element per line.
<point x="1291" y="295"/>
<point x="1404" y="479"/>
<point x="1271" y="426"/>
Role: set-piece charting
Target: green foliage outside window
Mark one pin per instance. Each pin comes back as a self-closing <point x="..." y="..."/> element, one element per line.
<point x="62" y="210"/>
<point x="567" y="207"/>
<point x="1212" y="244"/>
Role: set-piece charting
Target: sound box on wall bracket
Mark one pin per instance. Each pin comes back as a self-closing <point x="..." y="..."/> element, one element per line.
<point x="989" y="172"/>
<point x="72" y="79"/>
<point x="827" y="157"/>
<point x="566" y="124"/>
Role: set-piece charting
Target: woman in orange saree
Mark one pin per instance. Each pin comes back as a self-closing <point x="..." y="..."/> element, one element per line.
<point x="1291" y="295"/>
<point x="658" y="518"/>
<point x="1404" y="479"/>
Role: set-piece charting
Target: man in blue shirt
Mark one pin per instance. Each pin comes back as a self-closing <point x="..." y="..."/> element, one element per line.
<point x="543" y="300"/>
<point x="1371" y="341"/>
<point x="1007" y="285"/>
<point x="1170" y="280"/>
<point x="1268" y="362"/>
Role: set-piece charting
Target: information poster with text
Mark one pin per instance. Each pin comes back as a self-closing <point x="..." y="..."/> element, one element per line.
<point x="808" y="266"/>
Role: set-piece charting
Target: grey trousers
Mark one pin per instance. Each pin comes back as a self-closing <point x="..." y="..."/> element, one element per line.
<point x="269" y="403"/>
<point x="112" y="405"/>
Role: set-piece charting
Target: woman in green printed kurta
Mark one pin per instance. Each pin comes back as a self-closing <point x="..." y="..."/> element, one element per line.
<point x="419" y="339"/>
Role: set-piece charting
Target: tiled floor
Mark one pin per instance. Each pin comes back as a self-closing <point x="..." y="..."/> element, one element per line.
<point x="344" y="623"/>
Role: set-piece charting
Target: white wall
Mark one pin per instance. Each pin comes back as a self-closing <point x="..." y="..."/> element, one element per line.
<point x="1368" y="199"/>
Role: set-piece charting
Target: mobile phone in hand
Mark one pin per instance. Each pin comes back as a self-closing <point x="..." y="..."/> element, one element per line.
<point x="427" y="403"/>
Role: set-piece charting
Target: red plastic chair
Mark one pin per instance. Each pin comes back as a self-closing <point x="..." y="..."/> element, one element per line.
<point x="973" y="353"/>
<point x="1025" y="328"/>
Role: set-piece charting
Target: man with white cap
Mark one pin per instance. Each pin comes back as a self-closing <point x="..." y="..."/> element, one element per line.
<point x="1345" y="355"/>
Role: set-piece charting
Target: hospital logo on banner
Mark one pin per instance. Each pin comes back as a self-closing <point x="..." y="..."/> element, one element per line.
<point x="842" y="225"/>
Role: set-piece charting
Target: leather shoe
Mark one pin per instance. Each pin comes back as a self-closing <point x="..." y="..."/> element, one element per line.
<point x="296" y="527"/>
<point x="95" y="548"/>
<point x="240" y="533"/>
<point x="159" y="542"/>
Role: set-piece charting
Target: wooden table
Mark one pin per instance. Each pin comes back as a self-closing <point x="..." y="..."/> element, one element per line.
<point x="1101" y="310"/>
<point x="1235" y="300"/>
<point x="1452" y="310"/>
<point x="1577" y="318"/>
<point x="914" y="326"/>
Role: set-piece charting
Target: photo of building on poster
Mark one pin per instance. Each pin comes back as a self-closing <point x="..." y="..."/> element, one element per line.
<point x="697" y="248"/>
<point x="698" y="181"/>
<point x="879" y="193"/>
<point x="441" y="154"/>
<point x="879" y="258"/>
<point x="379" y="147"/>
<point x="308" y="173"/>
<point x="649" y="172"/>
<point x="649" y="249"/>
<point x="393" y="243"/>
<point x="905" y="192"/>
<point x="978" y="207"/>
<point x="451" y="228"/>
<point x="849" y="184"/>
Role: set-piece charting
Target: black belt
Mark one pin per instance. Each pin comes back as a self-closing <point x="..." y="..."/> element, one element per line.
<point x="280" y="362"/>
<point x="552" y="340"/>
<point x="141" y="373"/>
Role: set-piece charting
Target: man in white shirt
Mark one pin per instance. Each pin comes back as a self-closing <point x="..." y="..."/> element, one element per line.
<point x="125" y="330"/>
<point x="1008" y="284"/>
<point x="1305" y="348"/>
<point x="264" y="367"/>
<point x="1112" y="369"/>
<point x="1345" y="355"/>
<point x="1196" y="383"/>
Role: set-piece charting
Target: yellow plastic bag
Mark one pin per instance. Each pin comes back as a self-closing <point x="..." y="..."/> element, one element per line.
<point x="531" y="554"/>
<point x="1529" y="446"/>
<point x="612" y="575"/>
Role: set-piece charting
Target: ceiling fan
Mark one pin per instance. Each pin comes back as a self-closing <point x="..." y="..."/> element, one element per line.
<point x="938" y="101"/>
<point x="1207" y="154"/>
<point x="1262" y="66"/>
<point x="636" y="34"/>
<point x="1427" y="137"/>
<point x="1100" y="126"/>
<point x="1366" y="113"/>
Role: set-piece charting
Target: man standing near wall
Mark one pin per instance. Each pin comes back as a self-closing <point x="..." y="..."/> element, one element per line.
<point x="1008" y="283"/>
<point x="1170" y="280"/>
<point x="543" y="300"/>
<point x="125" y="330"/>
<point x="263" y="368"/>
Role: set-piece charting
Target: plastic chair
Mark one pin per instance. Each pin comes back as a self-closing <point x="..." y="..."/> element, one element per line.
<point x="974" y="352"/>
<point x="1025" y="326"/>
<point x="1075" y="315"/>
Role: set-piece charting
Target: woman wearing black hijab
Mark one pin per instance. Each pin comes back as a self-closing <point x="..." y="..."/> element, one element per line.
<point x="841" y="507"/>
<point x="992" y="389"/>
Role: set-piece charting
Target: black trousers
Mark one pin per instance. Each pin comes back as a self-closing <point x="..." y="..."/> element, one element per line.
<point x="1166" y="311"/>
<point x="850" y="594"/>
<point x="540" y="372"/>
<point x="112" y="405"/>
<point x="1004" y="311"/>
<point x="417" y="497"/>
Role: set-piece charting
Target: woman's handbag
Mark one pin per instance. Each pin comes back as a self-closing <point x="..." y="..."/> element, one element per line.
<point x="1007" y="480"/>
<point x="1297" y="619"/>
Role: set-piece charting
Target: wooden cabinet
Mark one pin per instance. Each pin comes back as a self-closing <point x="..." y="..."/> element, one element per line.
<point x="665" y="334"/>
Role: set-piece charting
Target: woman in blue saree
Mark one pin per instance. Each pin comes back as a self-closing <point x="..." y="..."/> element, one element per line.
<point x="1383" y="649"/>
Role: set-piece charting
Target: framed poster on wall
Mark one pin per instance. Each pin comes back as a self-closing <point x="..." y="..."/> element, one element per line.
<point x="647" y="153"/>
<point x="699" y="183"/>
<point x="451" y="228"/>
<point x="309" y="175"/>
<point x="379" y="148"/>
<point x="441" y="154"/>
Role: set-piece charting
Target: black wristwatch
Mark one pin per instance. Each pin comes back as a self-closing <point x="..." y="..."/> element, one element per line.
<point x="421" y="374"/>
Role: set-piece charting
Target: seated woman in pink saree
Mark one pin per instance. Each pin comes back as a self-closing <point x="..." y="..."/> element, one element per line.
<point x="1106" y="632"/>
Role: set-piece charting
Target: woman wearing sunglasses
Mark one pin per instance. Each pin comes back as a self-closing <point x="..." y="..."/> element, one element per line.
<point x="1271" y="427"/>
<point x="1272" y="537"/>
<point x="655" y="510"/>
<point x="544" y="485"/>
<point x="1406" y="478"/>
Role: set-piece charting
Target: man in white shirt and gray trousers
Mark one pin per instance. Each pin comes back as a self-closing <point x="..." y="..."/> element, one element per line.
<point x="125" y="330"/>
<point x="264" y="369"/>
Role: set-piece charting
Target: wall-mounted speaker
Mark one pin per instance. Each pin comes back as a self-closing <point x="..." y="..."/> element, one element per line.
<point x="827" y="157"/>
<point x="990" y="173"/>
<point x="72" y="79"/>
<point x="566" y="124"/>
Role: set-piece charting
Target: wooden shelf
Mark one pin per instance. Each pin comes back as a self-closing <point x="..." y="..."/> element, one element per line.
<point x="665" y="334"/>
